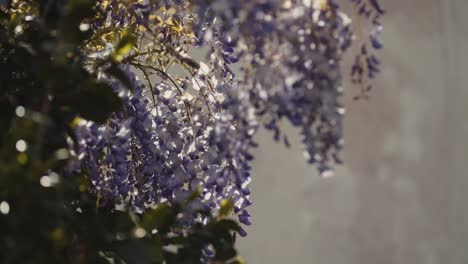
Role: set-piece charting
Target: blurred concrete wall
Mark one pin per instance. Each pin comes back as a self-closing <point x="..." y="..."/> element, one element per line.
<point x="402" y="196"/>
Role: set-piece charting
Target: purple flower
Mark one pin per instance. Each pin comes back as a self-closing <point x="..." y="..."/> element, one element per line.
<point x="196" y="129"/>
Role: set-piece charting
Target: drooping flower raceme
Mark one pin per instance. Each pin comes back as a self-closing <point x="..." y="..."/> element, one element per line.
<point x="148" y="154"/>
<point x="189" y="124"/>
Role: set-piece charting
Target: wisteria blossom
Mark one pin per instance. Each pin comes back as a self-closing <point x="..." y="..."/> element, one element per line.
<point x="189" y="124"/>
<point x="130" y="126"/>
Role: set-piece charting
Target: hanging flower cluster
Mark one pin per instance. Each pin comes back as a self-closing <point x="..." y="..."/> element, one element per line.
<point x="189" y="124"/>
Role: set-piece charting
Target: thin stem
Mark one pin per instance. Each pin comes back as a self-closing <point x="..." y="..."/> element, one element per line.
<point x="150" y="85"/>
<point x="201" y="89"/>
<point x="140" y="66"/>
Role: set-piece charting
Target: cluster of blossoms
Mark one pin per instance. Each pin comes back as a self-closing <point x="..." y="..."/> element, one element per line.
<point x="182" y="132"/>
<point x="153" y="152"/>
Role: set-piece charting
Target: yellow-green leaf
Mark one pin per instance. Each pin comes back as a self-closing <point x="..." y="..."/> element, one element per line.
<point x="126" y="43"/>
<point x="227" y="206"/>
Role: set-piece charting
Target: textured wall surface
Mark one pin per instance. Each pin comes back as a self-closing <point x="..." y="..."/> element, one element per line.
<point x="402" y="196"/>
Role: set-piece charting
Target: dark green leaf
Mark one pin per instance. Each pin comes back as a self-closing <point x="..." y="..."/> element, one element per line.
<point x="115" y="71"/>
<point x="160" y="218"/>
<point x="132" y="252"/>
<point x="96" y="101"/>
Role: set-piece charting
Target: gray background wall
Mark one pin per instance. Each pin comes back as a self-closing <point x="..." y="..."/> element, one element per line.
<point x="401" y="196"/>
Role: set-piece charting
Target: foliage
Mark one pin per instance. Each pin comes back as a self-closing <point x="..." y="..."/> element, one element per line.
<point x="119" y="147"/>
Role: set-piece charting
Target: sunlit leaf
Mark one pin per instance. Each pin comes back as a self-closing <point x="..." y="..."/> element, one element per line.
<point x="124" y="46"/>
<point x="227" y="206"/>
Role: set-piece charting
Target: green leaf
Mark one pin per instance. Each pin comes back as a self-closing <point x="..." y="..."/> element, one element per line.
<point x="96" y="101"/>
<point x="77" y="10"/>
<point x="160" y="218"/>
<point x="126" y="43"/>
<point x="227" y="206"/>
<point x="132" y="252"/>
<point x="227" y="224"/>
<point x="223" y="238"/>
